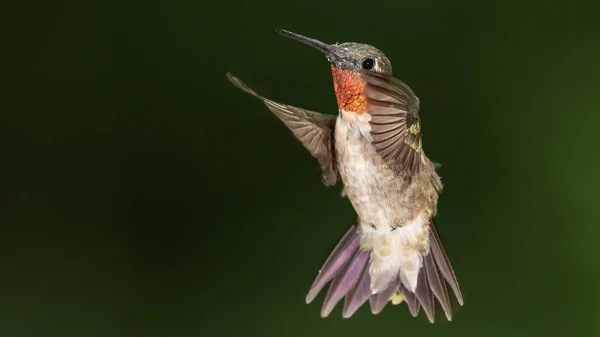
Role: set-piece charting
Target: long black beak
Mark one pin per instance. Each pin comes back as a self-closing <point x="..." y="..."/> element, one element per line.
<point x="323" y="47"/>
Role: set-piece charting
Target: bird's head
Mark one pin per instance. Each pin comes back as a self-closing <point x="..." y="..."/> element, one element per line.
<point x="350" y="62"/>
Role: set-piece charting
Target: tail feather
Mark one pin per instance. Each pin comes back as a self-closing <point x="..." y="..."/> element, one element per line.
<point x="411" y="301"/>
<point x="425" y="296"/>
<point x="345" y="281"/>
<point x="339" y="257"/>
<point x="359" y="295"/>
<point x="438" y="286"/>
<point x="443" y="263"/>
<point x="349" y="266"/>
<point x="379" y="301"/>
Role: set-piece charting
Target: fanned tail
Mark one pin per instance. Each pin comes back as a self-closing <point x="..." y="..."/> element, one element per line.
<point x="348" y="269"/>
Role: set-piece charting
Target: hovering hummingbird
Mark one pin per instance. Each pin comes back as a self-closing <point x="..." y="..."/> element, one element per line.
<point x="392" y="253"/>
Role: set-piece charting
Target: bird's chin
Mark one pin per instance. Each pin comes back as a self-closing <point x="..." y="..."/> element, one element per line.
<point x="333" y="60"/>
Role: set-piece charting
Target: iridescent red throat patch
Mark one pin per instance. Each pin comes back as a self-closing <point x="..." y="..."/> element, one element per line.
<point x="349" y="88"/>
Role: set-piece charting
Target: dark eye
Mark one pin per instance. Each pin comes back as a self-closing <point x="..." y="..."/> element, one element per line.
<point x="368" y="64"/>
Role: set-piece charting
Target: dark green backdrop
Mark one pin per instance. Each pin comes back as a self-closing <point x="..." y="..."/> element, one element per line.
<point x="143" y="195"/>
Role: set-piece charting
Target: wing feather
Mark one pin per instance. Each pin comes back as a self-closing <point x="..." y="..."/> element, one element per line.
<point x="395" y="124"/>
<point x="314" y="130"/>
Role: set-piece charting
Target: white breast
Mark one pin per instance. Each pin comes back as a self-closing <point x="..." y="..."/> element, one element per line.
<point x="363" y="172"/>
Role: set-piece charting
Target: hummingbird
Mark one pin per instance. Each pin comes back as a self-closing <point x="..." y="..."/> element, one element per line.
<point x="392" y="252"/>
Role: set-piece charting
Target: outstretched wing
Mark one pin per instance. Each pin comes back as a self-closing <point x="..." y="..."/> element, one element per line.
<point x="313" y="129"/>
<point x="395" y="124"/>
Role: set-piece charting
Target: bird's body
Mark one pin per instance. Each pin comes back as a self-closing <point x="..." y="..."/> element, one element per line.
<point x="392" y="211"/>
<point x="392" y="252"/>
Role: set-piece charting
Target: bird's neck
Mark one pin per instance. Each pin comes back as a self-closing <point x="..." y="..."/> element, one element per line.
<point x="349" y="86"/>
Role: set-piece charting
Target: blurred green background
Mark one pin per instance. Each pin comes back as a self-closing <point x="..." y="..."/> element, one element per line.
<point x="143" y="195"/>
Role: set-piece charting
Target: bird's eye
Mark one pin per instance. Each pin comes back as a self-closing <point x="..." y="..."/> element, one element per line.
<point x="368" y="64"/>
